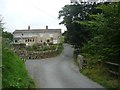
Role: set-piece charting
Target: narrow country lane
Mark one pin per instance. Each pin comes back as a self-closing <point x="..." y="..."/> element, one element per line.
<point x="58" y="72"/>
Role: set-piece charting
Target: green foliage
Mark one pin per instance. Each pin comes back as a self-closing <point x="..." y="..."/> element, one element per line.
<point x="1" y="28"/>
<point x="77" y="34"/>
<point x="35" y="47"/>
<point x="14" y="72"/>
<point x="60" y="49"/>
<point x="6" y="43"/>
<point x="7" y="35"/>
<point x="1" y="25"/>
<point x="95" y="30"/>
<point x="106" y="33"/>
<point x="99" y="74"/>
<point x="3" y="33"/>
<point x="105" y="44"/>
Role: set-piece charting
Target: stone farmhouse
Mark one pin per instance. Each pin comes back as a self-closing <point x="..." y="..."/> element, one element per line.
<point x="37" y="36"/>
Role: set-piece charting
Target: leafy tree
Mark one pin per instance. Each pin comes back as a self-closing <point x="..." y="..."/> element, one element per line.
<point x="111" y="32"/>
<point x="106" y="33"/>
<point x="3" y="33"/>
<point x="77" y="34"/>
<point x="1" y="25"/>
<point x="8" y="35"/>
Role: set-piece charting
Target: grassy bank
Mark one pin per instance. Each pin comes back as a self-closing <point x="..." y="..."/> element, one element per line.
<point x="14" y="72"/>
<point x="98" y="73"/>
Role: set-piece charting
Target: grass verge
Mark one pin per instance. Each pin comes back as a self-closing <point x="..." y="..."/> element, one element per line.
<point x="14" y="72"/>
<point x="99" y="74"/>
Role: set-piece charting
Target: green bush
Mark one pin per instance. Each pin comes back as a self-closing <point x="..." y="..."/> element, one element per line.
<point x="34" y="47"/>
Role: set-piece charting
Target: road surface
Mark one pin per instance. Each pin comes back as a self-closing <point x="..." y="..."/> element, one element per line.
<point x="58" y="72"/>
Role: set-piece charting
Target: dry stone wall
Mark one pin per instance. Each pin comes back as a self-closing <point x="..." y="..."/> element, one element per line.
<point x="36" y="54"/>
<point x="81" y="61"/>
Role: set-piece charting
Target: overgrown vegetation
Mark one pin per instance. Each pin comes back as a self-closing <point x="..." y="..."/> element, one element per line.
<point x="93" y="28"/>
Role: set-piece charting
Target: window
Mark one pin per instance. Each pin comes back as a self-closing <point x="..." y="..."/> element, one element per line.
<point x="25" y="40"/>
<point x="22" y="34"/>
<point x="16" y="41"/>
<point x="48" y="41"/>
<point x="30" y="40"/>
<point x="51" y="35"/>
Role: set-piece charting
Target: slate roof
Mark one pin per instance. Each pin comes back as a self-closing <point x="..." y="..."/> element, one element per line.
<point x="37" y="31"/>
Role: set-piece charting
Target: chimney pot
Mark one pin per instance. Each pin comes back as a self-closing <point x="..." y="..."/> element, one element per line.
<point x="29" y="27"/>
<point x="46" y="27"/>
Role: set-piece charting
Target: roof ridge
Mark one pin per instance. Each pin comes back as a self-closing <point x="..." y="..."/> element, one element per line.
<point x="35" y="29"/>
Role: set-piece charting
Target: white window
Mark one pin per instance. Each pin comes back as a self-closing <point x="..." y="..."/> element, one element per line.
<point x="55" y="42"/>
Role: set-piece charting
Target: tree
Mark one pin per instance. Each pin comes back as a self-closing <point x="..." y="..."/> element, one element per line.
<point x="3" y="33"/>
<point x="1" y="25"/>
<point x="106" y="33"/>
<point x="8" y="35"/>
<point x="77" y="34"/>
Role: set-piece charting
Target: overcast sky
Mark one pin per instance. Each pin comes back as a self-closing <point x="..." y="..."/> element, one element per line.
<point x="18" y="14"/>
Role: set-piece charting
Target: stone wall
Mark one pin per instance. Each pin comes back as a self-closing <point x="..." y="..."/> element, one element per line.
<point x="36" y="54"/>
<point x="81" y="61"/>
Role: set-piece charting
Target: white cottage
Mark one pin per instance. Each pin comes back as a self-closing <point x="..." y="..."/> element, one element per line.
<point x="37" y="36"/>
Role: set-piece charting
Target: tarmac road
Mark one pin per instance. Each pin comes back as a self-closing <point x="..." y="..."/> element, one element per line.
<point x="58" y="72"/>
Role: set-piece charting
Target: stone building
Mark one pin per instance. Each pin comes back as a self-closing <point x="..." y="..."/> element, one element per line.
<point x="37" y="36"/>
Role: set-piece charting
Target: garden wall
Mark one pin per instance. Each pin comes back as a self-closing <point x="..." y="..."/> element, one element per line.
<point x="32" y="55"/>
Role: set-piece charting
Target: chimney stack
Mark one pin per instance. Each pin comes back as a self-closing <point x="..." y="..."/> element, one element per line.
<point x="46" y="27"/>
<point x="29" y="27"/>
